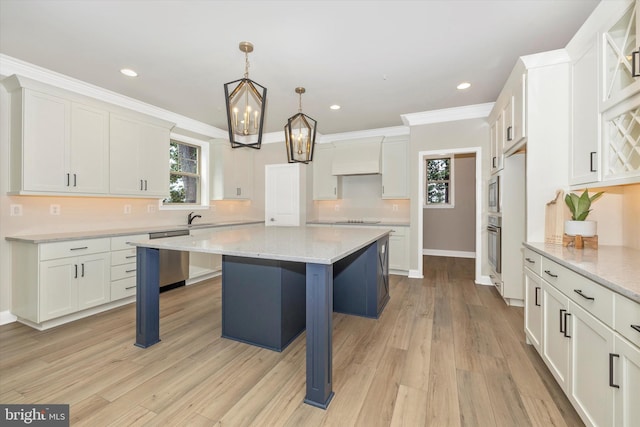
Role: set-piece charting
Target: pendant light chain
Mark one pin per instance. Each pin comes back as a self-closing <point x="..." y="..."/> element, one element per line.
<point x="246" y="65"/>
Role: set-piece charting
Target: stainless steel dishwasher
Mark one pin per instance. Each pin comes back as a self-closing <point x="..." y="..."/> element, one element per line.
<point x="174" y="265"/>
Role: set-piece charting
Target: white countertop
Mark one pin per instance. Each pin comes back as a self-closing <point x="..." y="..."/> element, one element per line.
<point x="318" y="245"/>
<point x="614" y="267"/>
<point x="115" y="232"/>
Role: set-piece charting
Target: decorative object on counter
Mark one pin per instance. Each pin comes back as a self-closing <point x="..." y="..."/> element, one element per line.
<point x="245" y="107"/>
<point x="554" y="220"/>
<point x="578" y="231"/>
<point x="300" y="134"/>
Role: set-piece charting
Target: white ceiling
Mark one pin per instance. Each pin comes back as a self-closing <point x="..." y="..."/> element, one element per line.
<point x="377" y="59"/>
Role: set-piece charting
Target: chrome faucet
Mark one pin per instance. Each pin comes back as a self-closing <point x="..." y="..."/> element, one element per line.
<point x="191" y="217"/>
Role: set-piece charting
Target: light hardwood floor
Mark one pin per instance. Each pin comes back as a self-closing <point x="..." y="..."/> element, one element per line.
<point x="445" y="352"/>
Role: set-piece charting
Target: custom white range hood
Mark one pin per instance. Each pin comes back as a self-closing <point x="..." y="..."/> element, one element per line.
<point x="357" y="157"/>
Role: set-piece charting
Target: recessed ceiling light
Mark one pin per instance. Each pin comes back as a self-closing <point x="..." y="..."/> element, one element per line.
<point x="335" y="107"/>
<point x="129" y="72"/>
<point x="464" y="85"/>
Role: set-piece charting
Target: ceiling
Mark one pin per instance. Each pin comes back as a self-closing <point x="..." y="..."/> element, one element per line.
<point x="377" y="59"/>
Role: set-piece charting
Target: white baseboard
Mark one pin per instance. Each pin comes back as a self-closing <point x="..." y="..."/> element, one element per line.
<point x="484" y="280"/>
<point x="415" y="274"/>
<point x="7" y="317"/>
<point x="453" y="254"/>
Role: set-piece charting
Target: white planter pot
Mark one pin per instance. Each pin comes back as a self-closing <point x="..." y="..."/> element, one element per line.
<point x="581" y="228"/>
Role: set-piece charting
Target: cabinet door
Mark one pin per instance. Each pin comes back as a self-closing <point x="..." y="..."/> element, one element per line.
<point x="533" y="309"/>
<point x="124" y="144"/>
<point x="153" y="160"/>
<point x="555" y="347"/>
<point x="58" y="288"/>
<point x="585" y="135"/>
<point x="497" y="144"/>
<point x="398" y="250"/>
<point x="507" y="123"/>
<point x="591" y="344"/>
<point x="94" y="280"/>
<point x="45" y="142"/>
<point x="520" y="109"/>
<point x="89" y="155"/>
<point x="395" y="169"/>
<point x="325" y="185"/>
<point x="626" y="375"/>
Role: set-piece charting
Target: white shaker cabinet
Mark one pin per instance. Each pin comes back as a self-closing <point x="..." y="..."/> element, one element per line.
<point x="139" y="154"/>
<point x="231" y="172"/>
<point x="58" y="146"/>
<point x="395" y="168"/>
<point x="326" y="186"/>
<point x="625" y="374"/>
<point x="496" y="153"/>
<point x="399" y="249"/>
<point x="533" y="309"/>
<point x="584" y="155"/>
<point x="556" y="344"/>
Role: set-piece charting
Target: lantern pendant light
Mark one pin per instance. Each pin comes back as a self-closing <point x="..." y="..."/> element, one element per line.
<point x="245" y="100"/>
<point x="300" y="135"/>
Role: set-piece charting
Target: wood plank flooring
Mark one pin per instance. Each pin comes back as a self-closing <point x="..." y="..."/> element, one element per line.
<point x="445" y="352"/>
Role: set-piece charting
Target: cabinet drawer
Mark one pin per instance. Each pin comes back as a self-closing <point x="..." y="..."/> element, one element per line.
<point x="120" y="242"/>
<point x="591" y="296"/>
<point x="121" y="271"/>
<point x="627" y="313"/>
<point x="73" y="248"/>
<point x="533" y="261"/>
<point x="123" y="288"/>
<point x="125" y="256"/>
<point x="398" y="231"/>
<point x="553" y="273"/>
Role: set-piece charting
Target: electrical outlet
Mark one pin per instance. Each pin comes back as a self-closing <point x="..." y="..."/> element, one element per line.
<point x="16" y="210"/>
<point x="395" y="208"/>
<point x="127" y="209"/>
<point x="54" y="209"/>
<point x="336" y="208"/>
<point x="151" y="208"/>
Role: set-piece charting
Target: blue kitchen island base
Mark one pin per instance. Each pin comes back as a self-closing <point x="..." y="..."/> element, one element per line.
<point x="263" y="301"/>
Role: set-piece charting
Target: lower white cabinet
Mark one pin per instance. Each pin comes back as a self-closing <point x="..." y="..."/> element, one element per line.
<point x="123" y="266"/>
<point x="399" y="249"/>
<point x="586" y="336"/>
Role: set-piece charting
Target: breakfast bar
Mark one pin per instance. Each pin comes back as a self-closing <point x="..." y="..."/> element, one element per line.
<point x="342" y="268"/>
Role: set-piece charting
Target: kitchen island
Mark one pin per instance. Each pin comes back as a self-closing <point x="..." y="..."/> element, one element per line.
<point x="354" y="260"/>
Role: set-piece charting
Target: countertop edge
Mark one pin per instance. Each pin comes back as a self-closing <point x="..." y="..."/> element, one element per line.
<point x="95" y="234"/>
<point x="615" y="287"/>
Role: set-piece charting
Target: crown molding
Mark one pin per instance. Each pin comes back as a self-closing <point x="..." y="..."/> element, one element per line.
<point x="448" y="114"/>
<point x="384" y="132"/>
<point x="544" y="59"/>
<point x="10" y="66"/>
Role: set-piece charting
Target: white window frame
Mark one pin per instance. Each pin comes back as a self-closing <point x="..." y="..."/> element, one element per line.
<point x="204" y="176"/>
<point x="452" y="199"/>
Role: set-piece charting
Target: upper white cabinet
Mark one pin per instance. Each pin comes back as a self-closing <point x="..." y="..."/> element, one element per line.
<point x="605" y="140"/>
<point x="585" y="136"/>
<point x="326" y="186"/>
<point x="139" y="153"/>
<point x="231" y="172"/>
<point x="395" y="168"/>
<point x="64" y="143"/>
<point x="57" y="146"/>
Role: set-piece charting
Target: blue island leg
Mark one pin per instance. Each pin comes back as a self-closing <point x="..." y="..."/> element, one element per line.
<point x="319" y="329"/>
<point x="147" y="297"/>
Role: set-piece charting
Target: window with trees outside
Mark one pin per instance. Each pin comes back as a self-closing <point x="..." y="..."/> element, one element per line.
<point x="184" y="174"/>
<point x="439" y="182"/>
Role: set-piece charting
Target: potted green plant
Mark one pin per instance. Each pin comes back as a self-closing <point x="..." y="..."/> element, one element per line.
<point x="580" y="206"/>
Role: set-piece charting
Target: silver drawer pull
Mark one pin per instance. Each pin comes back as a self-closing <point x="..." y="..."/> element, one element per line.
<point x="130" y="287"/>
<point x="530" y="261"/>
<point x="78" y="249"/>
<point x="130" y="271"/>
<point x="130" y="256"/>
<point x="550" y="273"/>
<point x="636" y="327"/>
<point x="579" y="292"/>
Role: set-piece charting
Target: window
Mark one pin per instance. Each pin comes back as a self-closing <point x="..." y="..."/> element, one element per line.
<point x="439" y="182"/>
<point x="184" y="174"/>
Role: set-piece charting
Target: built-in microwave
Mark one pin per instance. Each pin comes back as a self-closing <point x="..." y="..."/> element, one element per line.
<point x="494" y="194"/>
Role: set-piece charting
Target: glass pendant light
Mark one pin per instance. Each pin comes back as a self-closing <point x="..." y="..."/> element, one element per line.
<point x="245" y="100"/>
<point x="300" y="135"/>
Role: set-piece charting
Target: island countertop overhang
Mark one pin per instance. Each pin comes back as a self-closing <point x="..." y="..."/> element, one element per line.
<point x="316" y="245"/>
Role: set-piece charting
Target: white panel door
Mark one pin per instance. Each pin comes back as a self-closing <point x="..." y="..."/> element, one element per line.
<point x="282" y="194"/>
